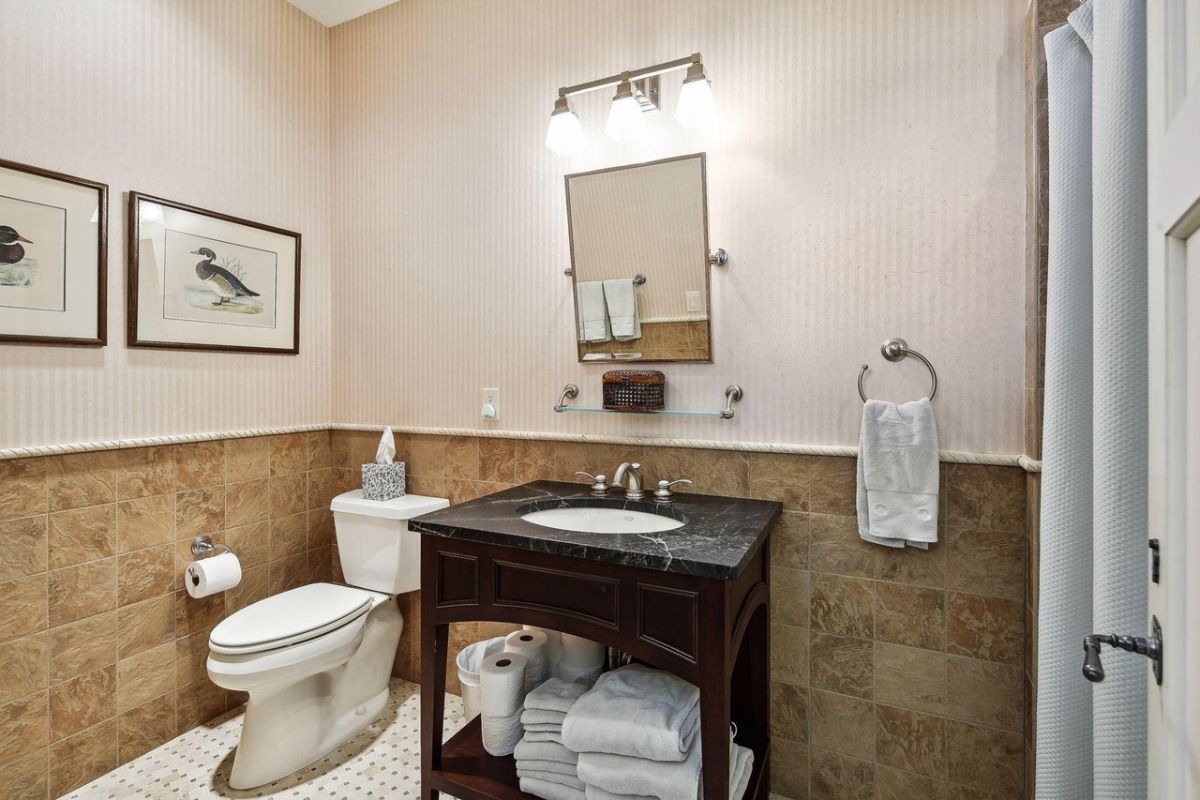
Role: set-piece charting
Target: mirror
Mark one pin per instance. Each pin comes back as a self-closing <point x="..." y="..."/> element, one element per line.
<point x="639" y="259"/>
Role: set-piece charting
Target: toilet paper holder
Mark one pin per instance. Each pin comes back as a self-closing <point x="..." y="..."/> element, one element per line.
<point x="203" y="545"/>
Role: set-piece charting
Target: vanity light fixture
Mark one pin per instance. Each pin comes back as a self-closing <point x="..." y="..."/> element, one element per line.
<point x="564" y="136"/>
<point x="625" y="121"/>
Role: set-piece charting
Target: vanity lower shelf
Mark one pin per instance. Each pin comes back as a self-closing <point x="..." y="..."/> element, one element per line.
<point x="469" y="773"/>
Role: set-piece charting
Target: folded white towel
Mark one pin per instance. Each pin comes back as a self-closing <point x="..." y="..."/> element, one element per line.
<point x="537" y="716"/>
<point x="544" y="727"/>
<point x="898" y="474"/>
<point x="554" y="736"/>
<point x="550" y="777"/>
<point x="555" y="694"/>
<point x="528" y="765"/>
<point x="666" y="780"/>
<point x="740" y="768"/>
<point x="592" y="312"/>
<point x="635" y="711"/>
<point x="620" y="294"/>
<point x="549" y="789"/>
<point x="532" y="750"/>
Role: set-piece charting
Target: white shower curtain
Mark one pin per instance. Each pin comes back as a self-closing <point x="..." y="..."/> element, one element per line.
<point x="1091" y="739"/>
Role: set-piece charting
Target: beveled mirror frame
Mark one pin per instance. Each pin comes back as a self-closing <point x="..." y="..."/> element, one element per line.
<point x="707" y="262"/>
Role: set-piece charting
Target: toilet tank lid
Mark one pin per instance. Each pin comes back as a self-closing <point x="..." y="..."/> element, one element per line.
<point x="403" y="507"/>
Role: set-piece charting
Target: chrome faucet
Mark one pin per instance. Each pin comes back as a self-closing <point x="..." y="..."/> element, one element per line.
<point x="633" y="488"/>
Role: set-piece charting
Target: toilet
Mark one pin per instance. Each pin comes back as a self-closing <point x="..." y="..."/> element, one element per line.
<point x="316" y="660"/>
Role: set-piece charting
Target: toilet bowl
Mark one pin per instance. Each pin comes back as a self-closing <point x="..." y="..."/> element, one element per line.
<point x="316" y="660"/>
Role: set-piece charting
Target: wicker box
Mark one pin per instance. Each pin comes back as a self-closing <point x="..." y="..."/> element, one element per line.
<point x="383" y="481"/>
<point x="635" y="390"/>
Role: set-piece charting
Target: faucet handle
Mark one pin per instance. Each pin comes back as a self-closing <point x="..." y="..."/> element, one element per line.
<point x="663" y="493"/>
<point x="599" y="487"/>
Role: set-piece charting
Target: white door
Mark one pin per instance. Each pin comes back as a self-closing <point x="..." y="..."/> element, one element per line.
<point x="1173" y="113"/>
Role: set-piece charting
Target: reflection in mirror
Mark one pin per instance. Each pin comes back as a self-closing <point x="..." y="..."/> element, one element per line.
<point x="639" y="255"/>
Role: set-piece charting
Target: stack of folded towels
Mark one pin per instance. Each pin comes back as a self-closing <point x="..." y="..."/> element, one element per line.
<point x="635" y="733"/>
<point x="544" y="766"/>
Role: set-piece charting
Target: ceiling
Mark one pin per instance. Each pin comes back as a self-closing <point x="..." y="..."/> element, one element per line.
<point x="335" y="12"/>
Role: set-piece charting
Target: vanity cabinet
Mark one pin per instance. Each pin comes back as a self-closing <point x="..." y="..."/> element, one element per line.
<point x="710" y="629"/>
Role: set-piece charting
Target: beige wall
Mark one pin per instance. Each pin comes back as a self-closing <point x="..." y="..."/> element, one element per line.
<point x="223" y="104"/>
<point x="866" y="178"/>
<point x="102" y="650"/>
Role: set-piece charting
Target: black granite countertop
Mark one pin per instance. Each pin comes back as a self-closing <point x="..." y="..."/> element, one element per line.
<point x="718" y="538"/>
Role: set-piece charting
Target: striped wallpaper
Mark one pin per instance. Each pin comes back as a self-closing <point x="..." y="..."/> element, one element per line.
<point x="222" y="104"/>
<point x="867" y="179"/>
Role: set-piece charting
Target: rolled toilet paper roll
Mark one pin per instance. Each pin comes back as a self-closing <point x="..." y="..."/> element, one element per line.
<point x="211" y="575"/>
<point x="501" y="734"/>
<point x="502" y="685"/>
<point x="581" y="654"/>
<point x="532" y="645"/>
<point x="553" y="642"/>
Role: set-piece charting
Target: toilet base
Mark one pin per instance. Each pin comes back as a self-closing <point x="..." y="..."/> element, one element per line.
<point x="291" y="724"/>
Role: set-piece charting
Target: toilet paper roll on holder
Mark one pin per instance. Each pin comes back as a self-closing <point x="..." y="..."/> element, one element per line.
<point x="203" y="546"/>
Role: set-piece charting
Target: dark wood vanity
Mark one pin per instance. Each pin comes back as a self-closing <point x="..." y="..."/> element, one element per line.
<point x="693" y="601"/>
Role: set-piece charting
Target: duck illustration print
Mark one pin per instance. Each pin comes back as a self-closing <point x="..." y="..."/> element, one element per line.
<point x="218" y="282"/>
<point x="32" y="255"/>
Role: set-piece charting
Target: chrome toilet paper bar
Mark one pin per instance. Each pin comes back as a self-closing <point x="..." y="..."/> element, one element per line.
<point x="203" y="545"/>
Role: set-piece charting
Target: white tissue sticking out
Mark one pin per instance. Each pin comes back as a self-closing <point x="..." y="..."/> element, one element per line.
<point x="386" y="451"/>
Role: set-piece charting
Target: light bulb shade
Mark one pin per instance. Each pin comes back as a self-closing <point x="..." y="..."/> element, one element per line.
<point x="625" y="122"/>
<point x="696" y="108"/>
<point x="565" y="134"/>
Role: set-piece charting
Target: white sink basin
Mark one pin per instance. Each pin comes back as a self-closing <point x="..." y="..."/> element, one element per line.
<point x="602" y="520"/>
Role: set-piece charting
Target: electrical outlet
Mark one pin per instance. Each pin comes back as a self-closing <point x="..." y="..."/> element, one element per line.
<point x="491" y="404"/>
<point x="694" y="303"/>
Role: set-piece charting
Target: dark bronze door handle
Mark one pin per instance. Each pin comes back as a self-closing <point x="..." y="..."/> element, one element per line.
<point x="1151" y="647"/>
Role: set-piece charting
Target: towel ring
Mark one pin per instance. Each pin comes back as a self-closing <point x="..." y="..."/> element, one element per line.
<point x="897" y="350"/>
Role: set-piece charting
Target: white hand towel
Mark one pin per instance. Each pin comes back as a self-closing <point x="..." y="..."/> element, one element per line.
<point x="550" y="790"/>
<point x="898" y="474"/>
<point x="537" y="716"/>
<point x="621" y="296"/>
<point x="593" y="313"/>
<point x="635" y="711"/>
<point x="554" y="736"/>
<point x="667" y="780"/>
<point x="529" y="765"/>
<point x="555" y="694"/>
<point x="740" y="769"/>
<point x="531" y="750"/>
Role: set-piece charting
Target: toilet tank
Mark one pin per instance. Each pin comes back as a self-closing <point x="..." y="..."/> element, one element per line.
<point x="376" y="549"/>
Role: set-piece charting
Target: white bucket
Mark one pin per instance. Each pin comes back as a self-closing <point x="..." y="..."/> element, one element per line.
<point x="469" y="659"/>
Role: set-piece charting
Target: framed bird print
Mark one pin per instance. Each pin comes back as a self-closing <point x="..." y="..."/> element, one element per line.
<point x="53" y="257"/>
<point x="202" y="280"/>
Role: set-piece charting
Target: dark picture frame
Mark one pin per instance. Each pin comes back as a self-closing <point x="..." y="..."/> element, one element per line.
<point x="140" y="303"/>
<point x="70" y="305"/>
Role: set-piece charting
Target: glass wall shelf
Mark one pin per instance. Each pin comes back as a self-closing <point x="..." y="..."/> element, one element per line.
<point x="733" y="393"/>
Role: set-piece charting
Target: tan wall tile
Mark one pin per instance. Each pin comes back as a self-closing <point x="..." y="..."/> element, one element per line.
<point x="320" y="528"/>
<point x="24" y="667"/>
<point x="895" y="784"/>
<point x="82" y="479"/>
<point x="983" y="497"/>
<point x="82" y="534"/>
<point x="842" y="605"/>
<point x="986" y="562"/>
<point x="145" y="522"/>
<point x="289" y="536"/>
<point x="533" y="460"/>
<point x="143" y="677"/>
<point x="288" y="573"/>
<point x="842" y="724"/>
<point x="835" y="547"/>
<point x="914" y="566"/>
<point x="23" y="547"/>
<point x="461" y="456"/>
<point x="910" y="615"/>
<point x="318" y="447"/>
<point x="989" y="628"/>
<point x="289" y="454"/>
<point x="320" y="491"/>
<point x="23" y="487"/>
<point x="984" y="692"/>
<point x="834" y="486"/>
<point x="82" y="702"/>
<point x="145" y="471"/>
<point x="911" y="741"/>
<point x="255" y="586"/>
<point x="247" y="459"/>
<point x="789" y="712"/>
<point x="985" y="758"/>
<point x="789" y="655"/>
<point x="497" y="460"/>
<point x="83" y="757"/>
<point x="144" y="625"/>
<point x="191" y="656"/>
<point x="199" y="511"/>
<point x="198" y="464"/>
<point x="26" y="778"/>
<point x="78" y="592"/>
<point x="774" y="476"/>
<point x="318" y="566"/>
<point x="839" y="777"/>
<point x="289" y="494"/>
<point x="144" y="727"/>
<point x="840" y="664"/>
<point x="198" y="703"/>
<point x="790" y="596"/>
<point x="192" y="614"/>
<point x="910" y="678"/>
<point x="251" y="543"/>
<point x="789" y="769"/>
<point x="24" y="726"/>
<point x="145" y="573"/>
<point x="23" y="606"/>
<point x="246" y="502"/>
<point x="83" y="646"/>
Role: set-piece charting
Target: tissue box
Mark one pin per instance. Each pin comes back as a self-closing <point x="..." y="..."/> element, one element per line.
<point x="383" y="481"/>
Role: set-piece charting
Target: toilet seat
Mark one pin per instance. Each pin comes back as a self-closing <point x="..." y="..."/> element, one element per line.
<point x="289" y="618"/>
